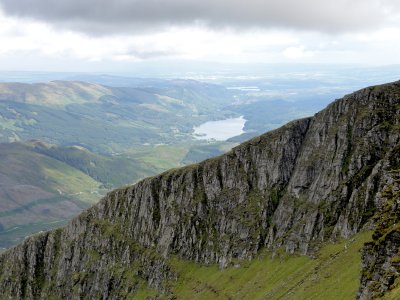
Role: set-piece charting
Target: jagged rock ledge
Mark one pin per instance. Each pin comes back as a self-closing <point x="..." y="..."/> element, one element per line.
<point x="295" y="187"/>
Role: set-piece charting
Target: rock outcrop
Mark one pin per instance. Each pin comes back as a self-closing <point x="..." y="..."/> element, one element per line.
<point x="312" y="180"/>
<point x="381" y="256"/>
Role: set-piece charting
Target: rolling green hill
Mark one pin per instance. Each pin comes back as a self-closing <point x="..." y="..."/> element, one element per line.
<point x="110" y="136"/>
<point x="55" y="93"/>
<point x="38" y="192"/>
<point x="42" y="185"/>
<point x="108" y="119"/>
<point x="111" y="171"/>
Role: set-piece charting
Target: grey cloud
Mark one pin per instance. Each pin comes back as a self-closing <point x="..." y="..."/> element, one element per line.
<point x="124" y="16"/>
<point x="152" y="54"/>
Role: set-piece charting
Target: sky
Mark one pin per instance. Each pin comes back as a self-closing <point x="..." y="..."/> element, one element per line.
<point x="104" y="35"/>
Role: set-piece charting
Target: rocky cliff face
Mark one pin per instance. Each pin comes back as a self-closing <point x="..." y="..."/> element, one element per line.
<point x="311" y="180"/>
<point x="381" y="256"/>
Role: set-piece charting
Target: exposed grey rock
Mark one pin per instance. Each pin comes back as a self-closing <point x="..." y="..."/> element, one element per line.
<point x="381" y="257"/>
<point x="312" y="180"/>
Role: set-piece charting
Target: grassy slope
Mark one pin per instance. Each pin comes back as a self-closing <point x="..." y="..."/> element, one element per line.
<point x="42" y="185"/>
<point x="25" y="167"/>
<point x="112" y="171"/>
<point x="107" y="120"/>
<point x="38" y="192"/>
<point x="334" y="274"/>
<point x="55" y="93"/>
<point x="393" y="294"/>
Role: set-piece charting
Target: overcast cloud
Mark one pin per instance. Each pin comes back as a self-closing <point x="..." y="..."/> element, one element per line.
<point x="117" y="34"/>
<point x="122" y="16"/>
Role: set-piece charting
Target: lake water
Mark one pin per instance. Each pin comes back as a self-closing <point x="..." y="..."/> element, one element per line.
<point x="220" y="130"/>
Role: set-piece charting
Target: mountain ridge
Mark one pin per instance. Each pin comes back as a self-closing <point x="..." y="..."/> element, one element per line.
<point x="312" y="180"/>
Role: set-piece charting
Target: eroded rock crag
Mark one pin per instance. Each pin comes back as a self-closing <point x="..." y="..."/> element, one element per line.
<point x="311" y="180"/>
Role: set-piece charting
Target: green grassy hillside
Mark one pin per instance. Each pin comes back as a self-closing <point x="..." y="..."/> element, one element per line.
<point x="38" y="192"/>
<point x="42" y="186"/>
<point x="333" y="274"/>
<point x="108" y="119"/>
<point x="55" y="93"/>
<point x="111" y="171"/>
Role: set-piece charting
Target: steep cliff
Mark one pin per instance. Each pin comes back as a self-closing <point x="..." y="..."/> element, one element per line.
<point x="381" y="256"/>
<point x="312" y="180"/>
